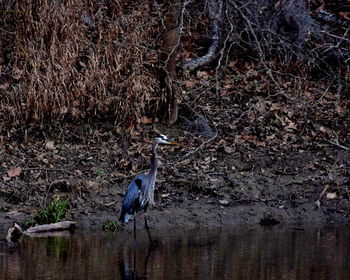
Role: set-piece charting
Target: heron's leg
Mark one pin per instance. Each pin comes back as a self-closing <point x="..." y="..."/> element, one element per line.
<point x="134" y="242"/>
<point x="134" y="227"/>
<point x="147" y="229"/>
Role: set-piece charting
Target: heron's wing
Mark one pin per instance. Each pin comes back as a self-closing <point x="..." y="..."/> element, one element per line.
<point x="131" y="195"/>
<point x="131" y="199"/>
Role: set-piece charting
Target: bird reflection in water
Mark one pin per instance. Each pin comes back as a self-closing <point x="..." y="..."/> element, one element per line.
<point x="127" y="272"/>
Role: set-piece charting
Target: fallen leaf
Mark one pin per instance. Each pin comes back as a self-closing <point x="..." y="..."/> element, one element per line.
<point x="145" y="120"/>
<point x="228" y="86"/>
<point x="12" y="212"/>
<point x="6" y="179"/>
<point x="224" y="201"/>
<point x="90" y="183"/>
<point x="232" y="64"/>
<point x="252" y="73"/>
<point x="246" y="137"/>
<point x="50" y="145"/>
<point x="331" y="195"/>
<point x="290" y="127"/>
<point x="14" y="171"/>
<point x="190" y="83"/>
<point x="318" y="204"/>
<point x="4" y="86"/>
<point x="36" y="175"/>
<point x="228" y="150"/>
<point x="345" y="15"/>
<point x="79" y="172"/>
<point x="203" y="74"/>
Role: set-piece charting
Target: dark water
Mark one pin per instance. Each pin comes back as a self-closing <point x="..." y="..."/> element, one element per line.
<point x="180" y="254"/>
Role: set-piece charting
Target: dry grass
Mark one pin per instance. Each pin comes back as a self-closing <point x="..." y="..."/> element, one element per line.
<point x="76" y="60"/>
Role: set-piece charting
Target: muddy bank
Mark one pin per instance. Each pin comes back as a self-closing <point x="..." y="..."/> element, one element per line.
<point x="191" y="213"/>
<point x="215" y="187"/>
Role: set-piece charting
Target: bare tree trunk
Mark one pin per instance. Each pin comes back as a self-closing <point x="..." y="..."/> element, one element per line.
<point x="171" y="40"/>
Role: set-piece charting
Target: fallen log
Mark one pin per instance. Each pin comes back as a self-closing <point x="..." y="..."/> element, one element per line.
<point x="61" y="233"/>
<point x="15" y="232"/>
<point x="65" y="225"/>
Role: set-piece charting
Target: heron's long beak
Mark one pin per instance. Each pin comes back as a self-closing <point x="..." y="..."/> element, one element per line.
<point x="171" y="142"/>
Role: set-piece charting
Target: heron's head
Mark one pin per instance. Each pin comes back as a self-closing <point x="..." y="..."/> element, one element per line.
<point x="162" y="139"/>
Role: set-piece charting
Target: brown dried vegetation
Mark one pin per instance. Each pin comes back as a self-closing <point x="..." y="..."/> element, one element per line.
<point x="75" y="60"/>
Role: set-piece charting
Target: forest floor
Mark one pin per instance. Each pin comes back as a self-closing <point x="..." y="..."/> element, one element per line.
<point x="203" y="182"/>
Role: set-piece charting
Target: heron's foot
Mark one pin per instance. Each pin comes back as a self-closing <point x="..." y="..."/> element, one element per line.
<point x="147" y="227"/>
<point x="149" y="234"/>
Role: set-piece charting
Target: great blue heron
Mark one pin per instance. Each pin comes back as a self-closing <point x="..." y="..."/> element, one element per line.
<point x="140" y="192"/>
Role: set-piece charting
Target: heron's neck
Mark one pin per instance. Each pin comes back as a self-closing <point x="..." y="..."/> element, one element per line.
<point x="154" y="159"/>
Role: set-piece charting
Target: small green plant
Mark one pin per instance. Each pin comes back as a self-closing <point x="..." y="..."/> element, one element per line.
<point x="99" y="173"/>
<point x="261" y="123"/>
<point x="253" y="85"/>
<point x="111" y="226"/>
<point x="237" y="78"/>
<point x="274" y="122"/>
<point x="55" y="212"/>
<point x="344" y="114"/>
<point x="189" y="92"/>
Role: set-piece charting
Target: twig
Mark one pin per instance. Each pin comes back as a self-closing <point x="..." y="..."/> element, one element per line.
<point x="222" y="52"/>
<point x="51" y="170"/>
<point x="9" y="32"/>
<point x="195" y="150"/>
<point x="105" y="204"/>
<point x="318" y="202"/>
<point x="330" y="18"/>
<point x="6" y="183"/>
<point x="335" y="36"/>
<point x="336" y="143"/>
<point x="276" y="171"/>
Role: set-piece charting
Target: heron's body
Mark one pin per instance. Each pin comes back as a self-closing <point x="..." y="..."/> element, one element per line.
<point x="135" y="199"/>
<point x="140" y="192"/>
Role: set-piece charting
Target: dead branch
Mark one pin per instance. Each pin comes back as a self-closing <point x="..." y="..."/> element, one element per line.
<point x="336" y="143"/>
<point x="329" y="18"/>
<point x="215" y="12"/>
<point x="195" y="150"/>
<point x="105" y="204"/>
